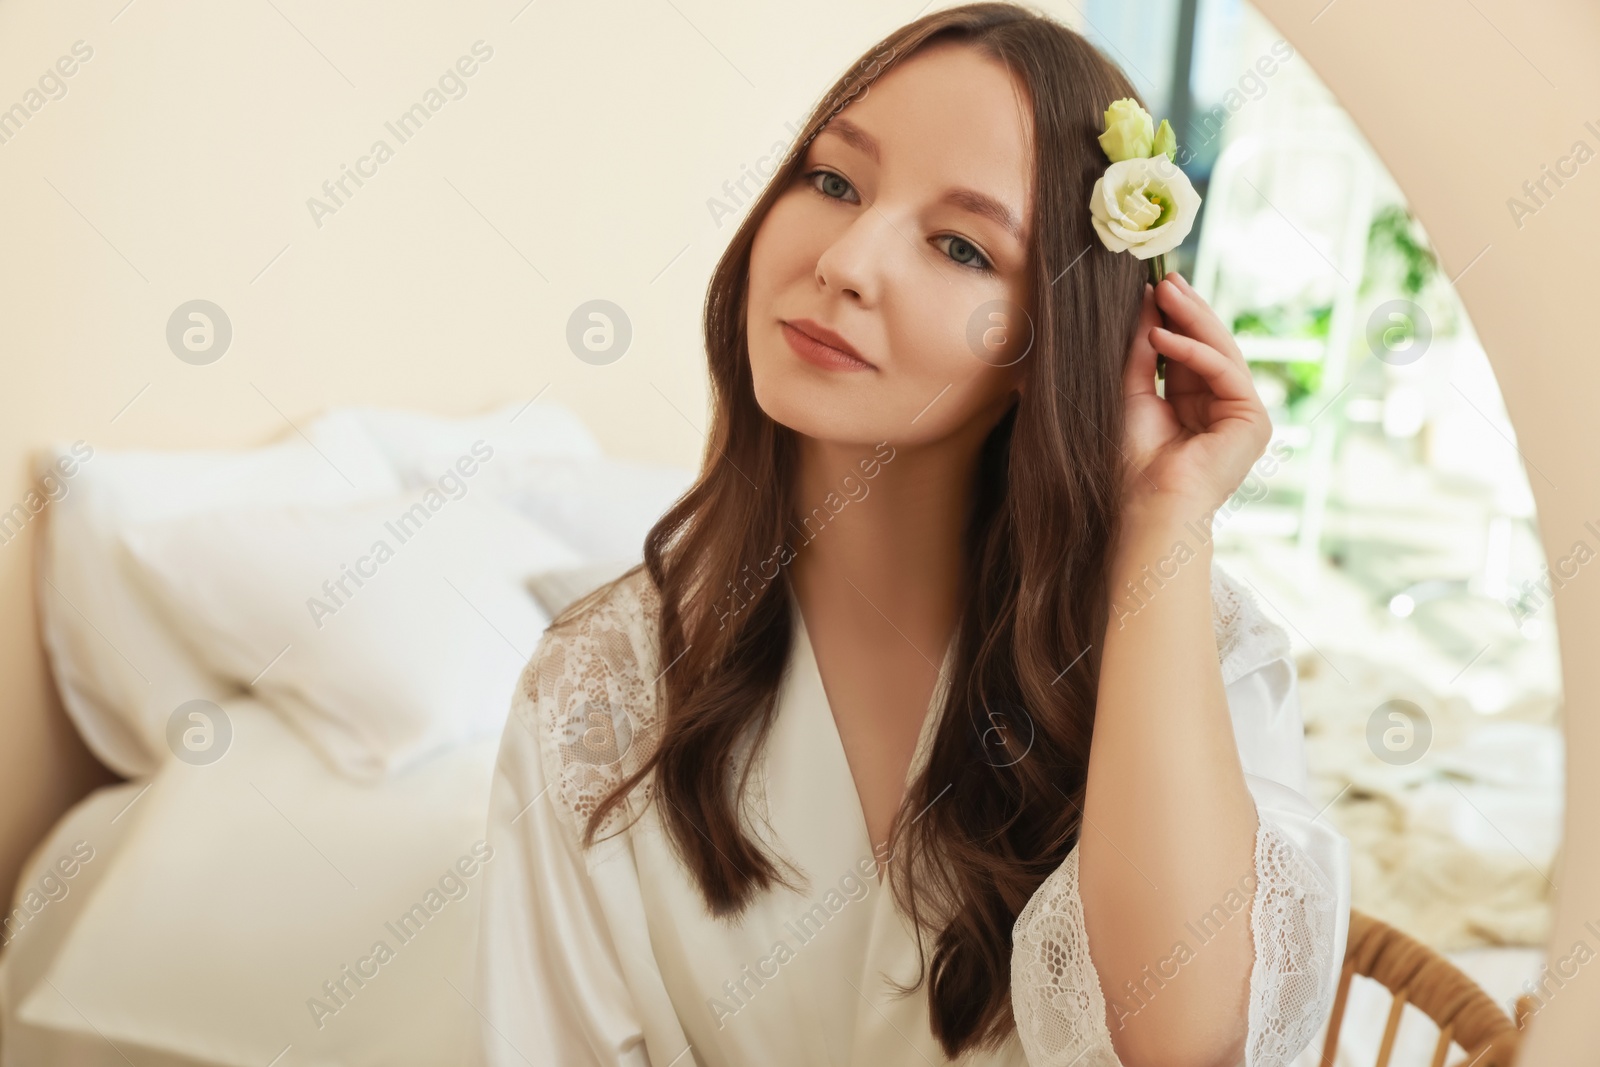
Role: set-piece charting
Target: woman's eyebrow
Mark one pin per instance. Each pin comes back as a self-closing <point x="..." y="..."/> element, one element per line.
<point x="854" y="136"/>
<point x="988" y="207"/>
<point x="977" y="203"/>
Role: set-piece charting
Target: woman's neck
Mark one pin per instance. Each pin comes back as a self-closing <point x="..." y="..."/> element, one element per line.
<point x="881" y="529"/>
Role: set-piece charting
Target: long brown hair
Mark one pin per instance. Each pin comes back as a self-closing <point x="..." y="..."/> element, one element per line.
<point x="1001" y="794"/>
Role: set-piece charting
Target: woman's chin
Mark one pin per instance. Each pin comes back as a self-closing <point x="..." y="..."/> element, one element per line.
<point x="824" y="411"/>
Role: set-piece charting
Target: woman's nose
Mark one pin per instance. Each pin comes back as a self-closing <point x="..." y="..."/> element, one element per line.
<point x="854" y="263"/>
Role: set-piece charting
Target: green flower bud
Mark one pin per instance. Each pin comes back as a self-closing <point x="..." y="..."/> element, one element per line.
<point x="1129" y="131"/>
<point x="1166" y="142"/>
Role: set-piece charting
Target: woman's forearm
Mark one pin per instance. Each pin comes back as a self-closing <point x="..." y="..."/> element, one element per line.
<point x="1167" y="846"/>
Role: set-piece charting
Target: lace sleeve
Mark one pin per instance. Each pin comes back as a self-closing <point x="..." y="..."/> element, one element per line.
<point x="1246" y="639"/>
<point x="1060" y="1008"/>
<point x="1300" y="864"/>
<point x="1055" y="992"/>
<point x="598" y="702"/>
<point x="1293" y="922"/>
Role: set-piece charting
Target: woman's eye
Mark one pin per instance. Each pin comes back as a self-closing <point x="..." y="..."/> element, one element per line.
<point x="837" y="187"/>
<point x="966" y="253"/>
<point x="832" y="186"/>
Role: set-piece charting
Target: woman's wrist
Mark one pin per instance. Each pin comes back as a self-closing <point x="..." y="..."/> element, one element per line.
<point x="1164" y="516"/>
<point x="1159" y="540"/>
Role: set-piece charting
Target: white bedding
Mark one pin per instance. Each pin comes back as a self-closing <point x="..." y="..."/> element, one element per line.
<point x="97" y="819"/>
<point x="253" y="910"/>
<point x="217" y="905"/>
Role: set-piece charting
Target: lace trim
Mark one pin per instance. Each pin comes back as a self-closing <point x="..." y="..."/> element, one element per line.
<point x="1245" y="637"/>
<point x="1056" y="997"/>
<point x="1293" y="921"/>
<point x="590" y="702"/>
<point x="1060" y="1008"/>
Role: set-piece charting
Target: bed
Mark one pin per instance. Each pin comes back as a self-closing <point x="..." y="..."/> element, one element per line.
<point x="307" y="726"/>
<point x="220" y="899"/>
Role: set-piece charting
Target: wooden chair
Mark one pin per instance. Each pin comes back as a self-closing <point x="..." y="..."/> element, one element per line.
<point x="1415" y="974"/>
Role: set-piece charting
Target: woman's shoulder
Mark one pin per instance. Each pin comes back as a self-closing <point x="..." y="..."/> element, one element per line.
<point x="587" y="694"/>
<point x="596" y="596"/>
<point x="1246" y="638"/>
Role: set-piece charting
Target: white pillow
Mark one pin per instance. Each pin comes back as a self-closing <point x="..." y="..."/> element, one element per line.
<point x="119" y="670"/>
<point x="421" y="447"/>
<point x="555" y="589"/>
<point x="382" y="631"/>
<point x="601" y="507"/>
<point x="229" y="902"/>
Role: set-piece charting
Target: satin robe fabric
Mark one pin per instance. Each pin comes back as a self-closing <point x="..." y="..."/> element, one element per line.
<point x="609" y="957"/>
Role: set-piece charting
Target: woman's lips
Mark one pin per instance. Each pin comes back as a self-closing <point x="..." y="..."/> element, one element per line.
<point x="816" y="352"/>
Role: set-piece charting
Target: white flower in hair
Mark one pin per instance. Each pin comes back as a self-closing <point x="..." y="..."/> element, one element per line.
<point x="1144" y="203"/>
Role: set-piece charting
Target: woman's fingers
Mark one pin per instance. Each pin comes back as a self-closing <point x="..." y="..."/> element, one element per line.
<point x="1139" y="375"/>
<point x="1195" y="317"/>
<point x="1228" y="379"/>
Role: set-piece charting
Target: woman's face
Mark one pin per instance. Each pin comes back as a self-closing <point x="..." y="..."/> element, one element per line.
<point x="893" y="238"/>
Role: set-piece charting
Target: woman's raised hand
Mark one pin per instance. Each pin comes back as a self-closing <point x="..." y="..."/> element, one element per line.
<point x="1194" y="446"/>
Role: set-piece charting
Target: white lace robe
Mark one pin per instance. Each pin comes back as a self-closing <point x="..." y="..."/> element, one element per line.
<point x="606" y="956"/>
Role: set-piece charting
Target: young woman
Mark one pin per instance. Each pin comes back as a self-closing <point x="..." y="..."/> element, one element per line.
<point x="926" y="731"/>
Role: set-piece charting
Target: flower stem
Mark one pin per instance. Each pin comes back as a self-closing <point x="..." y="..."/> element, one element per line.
<point x="1158" y="270"/>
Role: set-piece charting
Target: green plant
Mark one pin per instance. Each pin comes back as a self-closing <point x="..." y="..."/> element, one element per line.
<point x="1394" y="243"/>
<point x="1300" y="378"/>
<point x="1398" y="260"/>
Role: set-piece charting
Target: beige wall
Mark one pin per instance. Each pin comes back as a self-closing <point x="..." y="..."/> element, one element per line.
<point x="579" y="165"/>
